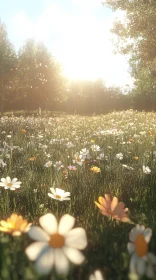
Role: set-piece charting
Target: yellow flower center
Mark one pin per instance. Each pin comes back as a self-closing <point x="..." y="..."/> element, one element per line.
<point x="58" y="196"/>
<point x="141" y="245"/>
<point x="9" y="184"/>
<point x="56" y="240"/>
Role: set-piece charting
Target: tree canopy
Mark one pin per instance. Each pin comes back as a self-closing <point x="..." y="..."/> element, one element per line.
<point x="136" y="37"/>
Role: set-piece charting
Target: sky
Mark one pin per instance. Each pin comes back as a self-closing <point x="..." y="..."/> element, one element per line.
<point x="76" y="32"/>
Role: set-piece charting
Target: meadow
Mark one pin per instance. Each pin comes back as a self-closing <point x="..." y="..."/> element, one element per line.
<point x="87" y="157"/>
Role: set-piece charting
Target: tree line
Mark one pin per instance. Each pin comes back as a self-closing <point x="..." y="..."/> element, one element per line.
<point x="32" y="78"/>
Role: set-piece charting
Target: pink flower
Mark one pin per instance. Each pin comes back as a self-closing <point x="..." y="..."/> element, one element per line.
<point x="72" y="167"/>
<point x="112" y="208"/>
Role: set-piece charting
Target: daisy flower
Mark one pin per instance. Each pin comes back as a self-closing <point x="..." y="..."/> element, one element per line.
<point x="56" y="244"/>
<point x="141" y="261"/>
<point x="48" y="163"/>
<point x="146" y="169"/>
<point x="59" y="194"/>
<point x="7" y="183"/>
<point x="14" y="225"/>
<point x="112" y="208"/>
<point x="95" y="148"/>
<point x="119" y="156"/>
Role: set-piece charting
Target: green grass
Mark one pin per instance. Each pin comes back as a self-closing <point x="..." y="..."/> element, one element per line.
<point x="107" y="239"/>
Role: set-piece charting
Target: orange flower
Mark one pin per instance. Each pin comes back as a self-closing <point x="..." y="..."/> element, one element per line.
<point x="136" y="158"/>
<point x="112" y="208"/>
<point x="32" y="159"/>
<point x="150" y="132"/>
<point x="23" y="130"/>
<point x="14" y="225"/>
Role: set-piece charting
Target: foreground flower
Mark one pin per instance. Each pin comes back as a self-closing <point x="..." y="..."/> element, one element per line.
<point x="7" y="183"/>
<point x="96" y="276"/>
<point x="141" y="262"/>
<point x="112" y="208"/>
<point x="146" y="169"/>
<point x="57" y="244"/>
<point x="95" y="169"/>
<point x="15" y="225"/>
<point x="59" y="194"/>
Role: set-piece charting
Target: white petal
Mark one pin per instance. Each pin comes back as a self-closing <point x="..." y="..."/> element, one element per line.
<point x="98" y="275"/>
<point x="66" y="194"/>
<point x="2" y="184"/>
<point x="135" y="231"/>
<point x="133" y="262"/>
<point x="8" y="179"/>
<point x="34" y="250"/>
<point x="45" y="262"/>
<point x="64" y="198"/>
<point x="14" y="180"/>
<point x="76" y="238"/>
<point x="140" y="228"/>
<point x="141" y="266"/>
<point x="16" y="186"/>
<point x="66" y="223"/>
<point x="130" y="247"/>
<point x="18" y="182"/>
<point x="147" y="234"/>
<point x="60" y="191"/>
<point x="52" y="195"/>
<point x="49" y="223"/>
<point x="4" y="180"/>
<point x="61" y="262"/>
<point x="133" y="234"/>
<point x="74" y="255"/>
<point x="53" y="191"/>
<point x="38" y="234"/>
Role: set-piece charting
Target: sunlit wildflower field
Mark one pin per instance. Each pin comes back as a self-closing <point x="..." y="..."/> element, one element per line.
<point x="78" y="197"/>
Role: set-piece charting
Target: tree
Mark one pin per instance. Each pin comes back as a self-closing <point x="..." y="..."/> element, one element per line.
<point x="136" y="36"/>
<point x="39" y="79"/>
<point x="8" y="61"/>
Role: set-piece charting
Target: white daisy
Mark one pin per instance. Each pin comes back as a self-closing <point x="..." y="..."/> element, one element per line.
<point x="141" y="261"/>
<point x="78" y="159"/>
<point x="119" y="156"/>
<point x="95" y="148"/>
<point x="58" y="165"/>
<point x="85" y="153"/>
<point x="57" y="244"/>
<point x="146" y="169"/>
<point x="48" y="163"/>
<point x="7" y="183"/>
<point x="59" y="194"/>
<point x="97" y="275"/>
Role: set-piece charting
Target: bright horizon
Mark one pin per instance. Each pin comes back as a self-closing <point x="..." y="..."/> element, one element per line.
<point x="76" y="33"/>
